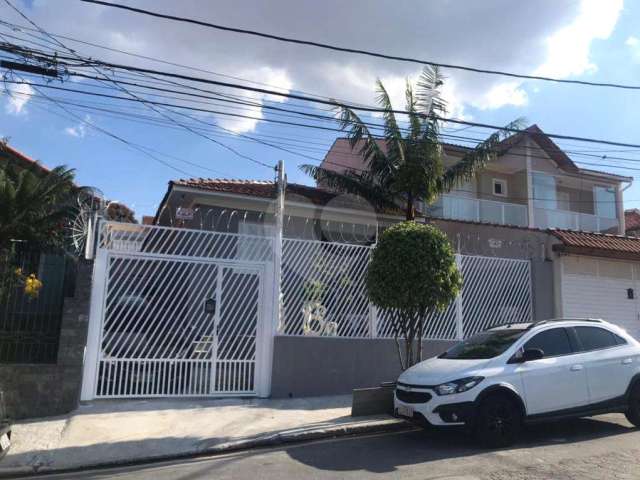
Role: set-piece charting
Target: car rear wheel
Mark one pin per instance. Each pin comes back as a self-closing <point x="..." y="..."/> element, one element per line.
<point x="498" y="422"/>
<point x="633" y="412"/>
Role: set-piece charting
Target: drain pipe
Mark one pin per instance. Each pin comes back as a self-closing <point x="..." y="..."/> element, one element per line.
<point x="622" y="229"/>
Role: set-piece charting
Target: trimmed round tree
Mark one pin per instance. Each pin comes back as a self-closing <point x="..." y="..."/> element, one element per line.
<point x="412" y="274"/>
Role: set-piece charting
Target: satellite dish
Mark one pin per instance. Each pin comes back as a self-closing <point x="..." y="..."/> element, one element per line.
<point x="90" y="203"/>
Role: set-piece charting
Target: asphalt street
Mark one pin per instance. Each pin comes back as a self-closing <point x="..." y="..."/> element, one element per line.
<point x="597" y="448"/>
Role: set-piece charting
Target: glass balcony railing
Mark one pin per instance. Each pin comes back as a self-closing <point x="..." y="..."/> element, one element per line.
<point x="564" y="219"/>
<point x="502" y="213"/>
<point x="477" y="210"/>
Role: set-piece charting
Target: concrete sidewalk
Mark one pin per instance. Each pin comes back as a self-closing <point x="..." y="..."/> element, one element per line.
<point x="118" y="432"/>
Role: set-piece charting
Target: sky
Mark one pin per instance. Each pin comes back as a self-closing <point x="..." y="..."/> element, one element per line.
<point x="594" y="40"/>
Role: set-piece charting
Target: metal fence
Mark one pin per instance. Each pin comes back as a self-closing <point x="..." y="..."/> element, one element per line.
<point x="323" y="293"/>
<point x="30" y="327"/>
<point x="178" y="312"/>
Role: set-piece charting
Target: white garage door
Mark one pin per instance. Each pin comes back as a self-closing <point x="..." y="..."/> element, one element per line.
<point x="599" y="289"/>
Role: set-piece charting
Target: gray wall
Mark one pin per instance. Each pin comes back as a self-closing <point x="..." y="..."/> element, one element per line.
<point x="309" y="366"/>
<point x="38" y="390"/>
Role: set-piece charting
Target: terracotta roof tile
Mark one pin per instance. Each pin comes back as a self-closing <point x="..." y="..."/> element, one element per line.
<point x="27" y="162"/>
<point x="267" y="189"/>
<point x="598" y="244"/>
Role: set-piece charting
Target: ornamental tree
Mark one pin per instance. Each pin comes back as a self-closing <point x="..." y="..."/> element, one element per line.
<point x="412" y="274"/>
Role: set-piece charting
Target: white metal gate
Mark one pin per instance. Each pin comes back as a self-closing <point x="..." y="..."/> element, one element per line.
<point x="178" y="312"/>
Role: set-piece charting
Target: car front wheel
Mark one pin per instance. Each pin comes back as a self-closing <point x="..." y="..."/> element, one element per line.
<point x="633" y="412"/>
<point x="498" y="421"/>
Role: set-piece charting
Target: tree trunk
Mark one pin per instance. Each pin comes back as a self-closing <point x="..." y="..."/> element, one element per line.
<point x="411" y="211"/>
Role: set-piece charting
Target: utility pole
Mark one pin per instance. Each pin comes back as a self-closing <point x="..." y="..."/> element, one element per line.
<point x="281" y="186"/>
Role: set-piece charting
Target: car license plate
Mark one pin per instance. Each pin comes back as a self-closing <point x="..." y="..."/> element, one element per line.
<point x="405" y="411"/>
<point x="5" y="442"/>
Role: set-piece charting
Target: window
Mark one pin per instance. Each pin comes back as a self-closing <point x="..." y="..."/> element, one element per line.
<point x="605" y="199"/>
<point x="594" y="338"/>
<point x="544" y="191"/>
<point x="552" y="342"/>
<point x="499" y="187"/>
<point x="487" y="344"/>
<point x="564" y="200"/>
<point x="620" y="340"/>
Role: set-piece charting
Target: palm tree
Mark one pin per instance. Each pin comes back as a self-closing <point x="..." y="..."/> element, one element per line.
<point x="35" y="208"/>
<point x="410" y="167"/>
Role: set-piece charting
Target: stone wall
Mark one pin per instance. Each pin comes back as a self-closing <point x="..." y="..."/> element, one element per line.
<point x="39" y="390"/>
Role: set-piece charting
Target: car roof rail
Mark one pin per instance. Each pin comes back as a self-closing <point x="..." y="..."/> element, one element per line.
<point x="551" y="320"/>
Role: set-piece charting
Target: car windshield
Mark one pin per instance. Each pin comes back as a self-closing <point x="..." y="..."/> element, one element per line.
<point x="488" y="344"/>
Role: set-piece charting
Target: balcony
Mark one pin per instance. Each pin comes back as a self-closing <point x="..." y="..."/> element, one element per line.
<point x="546" y="218"/>
<point x="477" y="210"/>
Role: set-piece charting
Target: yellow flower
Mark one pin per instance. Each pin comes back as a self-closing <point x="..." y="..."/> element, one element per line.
<point x="18" y="272"/>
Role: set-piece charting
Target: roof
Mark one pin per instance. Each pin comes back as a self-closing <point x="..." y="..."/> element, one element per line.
<point x="256" y="188"/>
<point x="597" y="244"/>
<point x="550" y="148"/>
<point x="10" y="153"/>
<point x="350" y="158"/>
<point x="632" y="219"/>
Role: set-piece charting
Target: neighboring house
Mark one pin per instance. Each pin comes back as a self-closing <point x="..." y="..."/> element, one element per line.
<point x="11" y="156"/>
<point x="632" y="222"/>
<point x="532" y="183"/>
<point x="598" y="276"/>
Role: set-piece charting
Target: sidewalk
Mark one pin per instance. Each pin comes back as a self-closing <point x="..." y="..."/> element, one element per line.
<point x="123" y="431"/>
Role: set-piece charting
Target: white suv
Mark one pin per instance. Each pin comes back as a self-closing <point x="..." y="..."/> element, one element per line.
<point x="503" y="377"/>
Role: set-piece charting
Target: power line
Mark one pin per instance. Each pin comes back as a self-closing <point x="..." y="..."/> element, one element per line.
<point x="334" y="103"/>
<point x="123" y="89"/>
<point x="344" y="154"/>
<point x="360" y="51"/>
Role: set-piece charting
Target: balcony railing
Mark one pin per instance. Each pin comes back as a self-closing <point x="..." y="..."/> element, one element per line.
<point x="546" y="218"/>
<point x="477" y="210"/>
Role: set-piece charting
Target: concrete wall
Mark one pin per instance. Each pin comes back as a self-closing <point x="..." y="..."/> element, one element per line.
<point x="516" y="186"/>
<point x="310" y="366"/>
<point x="39" y="390"/>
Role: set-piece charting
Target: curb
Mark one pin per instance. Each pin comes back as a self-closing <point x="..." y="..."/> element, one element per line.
<point x="384" y="426"/>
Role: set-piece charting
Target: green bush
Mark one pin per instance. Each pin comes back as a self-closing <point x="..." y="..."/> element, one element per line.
<point x="412" y="273"/>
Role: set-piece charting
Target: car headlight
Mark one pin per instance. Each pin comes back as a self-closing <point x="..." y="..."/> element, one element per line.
<point x="458" y="386"/>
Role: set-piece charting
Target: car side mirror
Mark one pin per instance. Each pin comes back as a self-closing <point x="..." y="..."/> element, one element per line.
<point x="531" y="354"/>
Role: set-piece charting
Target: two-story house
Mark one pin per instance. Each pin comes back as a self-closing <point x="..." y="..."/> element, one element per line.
<point x="532" y="183"/>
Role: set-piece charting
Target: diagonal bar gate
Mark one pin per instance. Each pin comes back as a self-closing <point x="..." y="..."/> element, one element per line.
<point x="178" y="312"/>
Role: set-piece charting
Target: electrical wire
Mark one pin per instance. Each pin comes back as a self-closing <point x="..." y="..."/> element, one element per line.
<point x="360" y="51"/>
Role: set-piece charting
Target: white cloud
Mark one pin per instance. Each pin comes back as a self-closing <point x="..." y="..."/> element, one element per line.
<point x="569" y="48"/>
<point x="264" y="74"/>
<point x="551" y="37"/>
<point x="634" y="47"/>
<point x="18" y="97"/>
<point x="501" y="94"/>
<point x="79" y="130"/>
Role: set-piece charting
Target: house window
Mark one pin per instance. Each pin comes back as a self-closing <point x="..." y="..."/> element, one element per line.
<point x="499" y="187"/>
<point x="605" y="199"/>
<point x="544" y="191"/>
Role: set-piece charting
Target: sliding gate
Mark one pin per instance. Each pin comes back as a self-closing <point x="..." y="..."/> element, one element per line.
<point x="182" y="313"/>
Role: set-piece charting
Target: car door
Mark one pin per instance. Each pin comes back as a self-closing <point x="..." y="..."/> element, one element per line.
<point x="558" y="381"/>
<point x="608" y="362"/>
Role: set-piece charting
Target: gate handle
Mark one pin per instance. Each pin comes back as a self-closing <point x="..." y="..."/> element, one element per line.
<point x="210" y="306"/>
